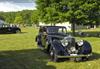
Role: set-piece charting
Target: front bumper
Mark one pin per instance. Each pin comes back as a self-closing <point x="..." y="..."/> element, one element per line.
<point x="75" y="56"/>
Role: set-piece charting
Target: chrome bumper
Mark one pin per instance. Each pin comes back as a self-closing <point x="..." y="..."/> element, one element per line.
<point x="75" y="56"/>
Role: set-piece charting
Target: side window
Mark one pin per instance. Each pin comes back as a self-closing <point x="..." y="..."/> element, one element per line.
<point x="60" y="30"/>
<point x="64" y="30"/>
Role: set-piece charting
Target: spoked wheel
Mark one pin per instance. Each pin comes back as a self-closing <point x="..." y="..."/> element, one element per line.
<point x="18" y="31"/>
<point x="53" y="56"/>
<point x="85" y="58"/>
<point x="81" y="59"/>
<point x="76" y="59"/>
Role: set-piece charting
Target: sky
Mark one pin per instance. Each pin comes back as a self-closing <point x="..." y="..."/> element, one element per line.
<point x="16" y="5"/>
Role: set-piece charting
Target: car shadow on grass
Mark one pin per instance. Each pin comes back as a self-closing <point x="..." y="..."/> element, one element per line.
<point x="95" y="56"/>
<point x="12" y="33"/>
<point x="24" y="59"/>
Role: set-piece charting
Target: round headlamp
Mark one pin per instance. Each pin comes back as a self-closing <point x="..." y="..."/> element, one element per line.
<point x="64" y="42"/>
<point x="80" y="43"/>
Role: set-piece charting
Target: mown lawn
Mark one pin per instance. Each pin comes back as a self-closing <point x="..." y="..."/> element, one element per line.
<point x="19" y="51"/>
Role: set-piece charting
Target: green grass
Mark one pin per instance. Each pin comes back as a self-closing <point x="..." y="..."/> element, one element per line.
<point x="19" y="51"/>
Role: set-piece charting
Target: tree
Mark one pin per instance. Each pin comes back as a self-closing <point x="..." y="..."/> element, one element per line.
<point x="35" y="17"/>
<point x="49" y="11"/>
<point x="81" y="12"/>
<point x="9" y="17"/>
<point x="2" y="18"/>
<point x="18" y="19"/>
<point x="26" y="16"/>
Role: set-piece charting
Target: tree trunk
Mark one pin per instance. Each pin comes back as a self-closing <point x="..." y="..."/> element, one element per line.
<point x="53" y="24"/>
<point x="73" y="28"/>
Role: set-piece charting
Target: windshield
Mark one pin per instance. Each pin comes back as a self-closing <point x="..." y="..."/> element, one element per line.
<point x="57" y="30"/>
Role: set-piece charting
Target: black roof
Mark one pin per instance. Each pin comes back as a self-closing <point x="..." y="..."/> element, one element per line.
<point x="53" y="26"/>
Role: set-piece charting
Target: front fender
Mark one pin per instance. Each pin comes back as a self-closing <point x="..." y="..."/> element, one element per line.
<point x="59" y="49"/>
<point x="86" y="48"/>
<point x="38" y="39"/>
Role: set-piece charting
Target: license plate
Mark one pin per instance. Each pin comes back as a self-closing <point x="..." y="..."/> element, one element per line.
<point x="73" y="54"/>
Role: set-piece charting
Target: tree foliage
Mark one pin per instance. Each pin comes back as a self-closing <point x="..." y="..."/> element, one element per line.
<point x="83" y="12"/>
<point x="77" y="11"/>
<point x="35" y="17"/>
<point x="18" y="19"/>
<point x="49" y="10"/>
<point x="28" y="17"/>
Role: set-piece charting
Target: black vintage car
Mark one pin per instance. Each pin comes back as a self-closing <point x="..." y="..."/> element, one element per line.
<point x="5" y="28"/>
<point x="59" y="44"/>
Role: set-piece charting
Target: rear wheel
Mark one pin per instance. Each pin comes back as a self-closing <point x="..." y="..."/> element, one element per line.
<point x="53" y="56"/>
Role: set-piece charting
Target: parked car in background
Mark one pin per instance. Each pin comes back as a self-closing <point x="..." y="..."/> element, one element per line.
<point x="87" y="34"/>
<point x="6" y="28"/>
<point x="59" y="44"/>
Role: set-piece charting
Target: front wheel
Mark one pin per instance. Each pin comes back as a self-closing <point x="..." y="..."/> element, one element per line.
<point x="53" y="56"/>
<point x="81" y="59"/>
<point x="18" y="31"/>
<point x="85" y="58"/>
